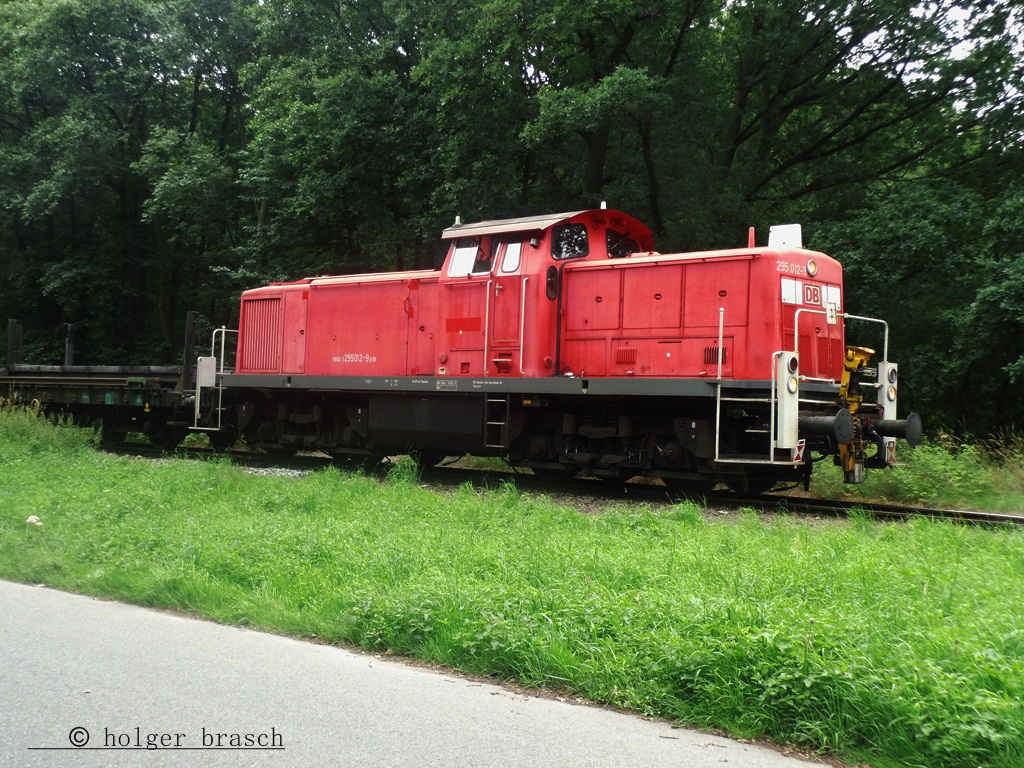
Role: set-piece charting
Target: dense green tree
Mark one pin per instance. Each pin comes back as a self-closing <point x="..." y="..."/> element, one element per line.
<point x="817" y="103"/>
<point x="193" y="210"/>
<point x="81" y="76"/>
<point x="339" y="166"/>
<point x="906" y="260"/>
<point x="87" y="83"/>
<point x="161" y="155"/>
<point x="989" y="338"/>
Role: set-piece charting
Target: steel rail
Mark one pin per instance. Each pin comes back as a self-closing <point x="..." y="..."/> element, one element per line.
<point x="886" y="511"/>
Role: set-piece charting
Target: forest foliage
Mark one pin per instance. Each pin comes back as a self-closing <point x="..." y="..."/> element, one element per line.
<point x="163" y="155"/>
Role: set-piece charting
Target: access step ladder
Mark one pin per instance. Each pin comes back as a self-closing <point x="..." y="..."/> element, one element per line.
<point x="735" y="396"/>
<point x="496" y="415"/>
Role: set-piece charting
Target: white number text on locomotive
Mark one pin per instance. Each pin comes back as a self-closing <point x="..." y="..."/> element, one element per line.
<point x="791" y="268"/>
<point x="353" y="357"/>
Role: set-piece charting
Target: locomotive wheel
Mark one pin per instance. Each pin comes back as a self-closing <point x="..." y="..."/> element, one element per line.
<point x="754" y="486"/>
<point x="111" y="437"/>
<point x="222" y="441"/>
<point x="428" y="458"/>
<point x="167" y="437"/>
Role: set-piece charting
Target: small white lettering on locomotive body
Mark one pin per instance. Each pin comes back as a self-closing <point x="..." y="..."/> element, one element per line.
<point x="791" y="268"/>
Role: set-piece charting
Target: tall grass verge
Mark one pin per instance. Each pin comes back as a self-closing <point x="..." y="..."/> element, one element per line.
<point x="947" y="473"/>
<point x="895" y="645"/>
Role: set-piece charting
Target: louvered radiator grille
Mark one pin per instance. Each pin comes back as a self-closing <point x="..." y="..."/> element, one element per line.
<point x="711" y="355"/>
<point x="625" y="355"/>
<point x="261" y="334"/>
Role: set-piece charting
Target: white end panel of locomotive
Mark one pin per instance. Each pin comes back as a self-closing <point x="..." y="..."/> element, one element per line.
<point x="787" y="382"/>
<point x="786" y="236"/>
<point x="206" y="372"/>
<point x="206" y="378"/>
<point x="811" y="294"/>
<point x="888" y="378"/>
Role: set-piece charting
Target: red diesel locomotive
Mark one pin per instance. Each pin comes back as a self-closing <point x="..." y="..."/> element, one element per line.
<point x="566" y="344"/>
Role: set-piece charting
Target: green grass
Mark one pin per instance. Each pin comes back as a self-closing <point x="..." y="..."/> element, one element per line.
<point x="944" y="473"/>
<point x="894" y="645"/>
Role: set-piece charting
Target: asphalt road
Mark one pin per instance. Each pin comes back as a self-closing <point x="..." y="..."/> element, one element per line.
<point x="85" y="682"/>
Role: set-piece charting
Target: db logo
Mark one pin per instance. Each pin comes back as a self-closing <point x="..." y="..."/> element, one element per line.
<point x="812" y="295"/>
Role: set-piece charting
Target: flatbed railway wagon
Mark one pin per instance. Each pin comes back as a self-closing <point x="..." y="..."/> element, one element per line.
<point x="116" y="399"/>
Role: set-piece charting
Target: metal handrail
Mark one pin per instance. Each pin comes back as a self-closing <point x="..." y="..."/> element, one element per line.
<point x="522" y="328"/>
<point x="846" y="316"/>
<point x="223" y="332"/>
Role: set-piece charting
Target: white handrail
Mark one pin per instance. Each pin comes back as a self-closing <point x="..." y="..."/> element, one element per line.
<point x="796" y="327"/>
<point x="223" y="332"/>
<point x="718" y="388"/>
<point x="522" y="328"/>
<point x="487" y="326"/>
<point x="885" y="343"/>
<point x="721" y="337"/>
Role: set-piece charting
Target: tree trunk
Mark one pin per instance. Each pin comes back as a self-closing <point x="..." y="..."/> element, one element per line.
<point x="597" y="155"/>
<point x="653" y="188"/>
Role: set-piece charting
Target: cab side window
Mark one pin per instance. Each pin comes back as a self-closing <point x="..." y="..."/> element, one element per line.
<point x="513" y="255"/>
<point x="471" y="257"/>
<point x="569" y="241"/>
<point x="619" y="245"/>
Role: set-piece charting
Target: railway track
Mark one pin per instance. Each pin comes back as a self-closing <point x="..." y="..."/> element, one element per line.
<point x="884" y="511"/>
<point x="823" y="507"/>
<point x="602" y="490"/>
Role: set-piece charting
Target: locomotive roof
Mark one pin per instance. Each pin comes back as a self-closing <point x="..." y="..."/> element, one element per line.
<point x="494" y="226"/>
<point x="635" y="227"/>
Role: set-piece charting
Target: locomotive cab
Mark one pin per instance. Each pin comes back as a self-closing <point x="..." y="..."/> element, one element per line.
<point x="500" y="287"/>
